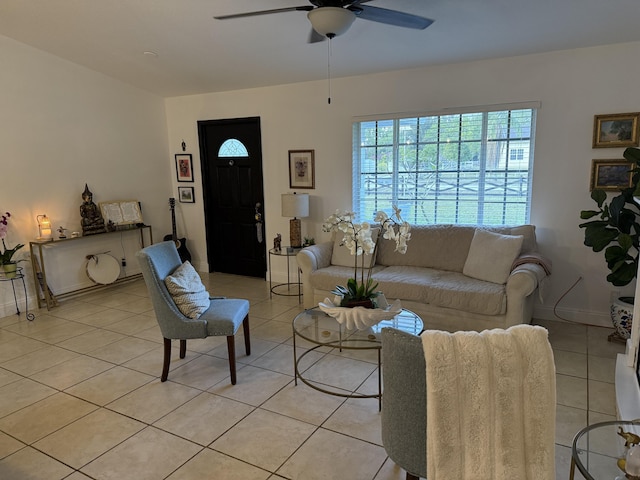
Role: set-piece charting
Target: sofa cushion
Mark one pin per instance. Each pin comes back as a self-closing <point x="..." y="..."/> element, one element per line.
<point x="188" y="292"/>
<point x="491" y="256"/>
<point x="426" y="285"/>
<point x="443" y="247"/>
<point x="342" y="256"/>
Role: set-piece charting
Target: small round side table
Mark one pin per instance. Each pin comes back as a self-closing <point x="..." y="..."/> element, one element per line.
<point x="19" y="277"/>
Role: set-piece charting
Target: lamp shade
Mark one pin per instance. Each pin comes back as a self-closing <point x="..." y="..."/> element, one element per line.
<point x="331" y="21"/>
<point x="44" y="227"/>
<point x="295" y="205"/>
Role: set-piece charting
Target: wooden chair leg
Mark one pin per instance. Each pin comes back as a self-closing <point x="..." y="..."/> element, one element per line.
<point x="167" y="360"/>
<point x="247" y="338"/>
<point x="231" y="348"/>
<point x="183" y="348"/>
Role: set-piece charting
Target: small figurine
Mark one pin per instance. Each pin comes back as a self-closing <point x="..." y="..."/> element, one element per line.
<point x="92" y="221"/>
<point x="630" y="438"/>
<point x="277" y="243"/>
<point x="61" y="231"/>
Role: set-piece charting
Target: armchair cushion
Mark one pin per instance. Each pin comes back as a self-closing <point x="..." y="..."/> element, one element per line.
<point x="188" y="292"/>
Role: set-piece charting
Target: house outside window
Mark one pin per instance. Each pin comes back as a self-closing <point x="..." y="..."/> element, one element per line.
<point x="466" y="167"/>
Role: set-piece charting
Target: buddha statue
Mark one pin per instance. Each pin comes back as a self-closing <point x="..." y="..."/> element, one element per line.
<point x="92" y="221"/>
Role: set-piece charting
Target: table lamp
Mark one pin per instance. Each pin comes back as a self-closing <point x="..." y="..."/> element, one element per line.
<point x="44" y="227"/>
<point x="295" y="205"/>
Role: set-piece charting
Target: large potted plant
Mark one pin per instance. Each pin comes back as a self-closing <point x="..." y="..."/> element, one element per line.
<point x="357" y="237"/>
<point x="615" y="228"/>
<point x="9" y="265"/>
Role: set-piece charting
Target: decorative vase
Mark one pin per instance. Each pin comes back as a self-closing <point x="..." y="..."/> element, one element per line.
<point x="10" y="270"/>
<point x="622" y="316"/>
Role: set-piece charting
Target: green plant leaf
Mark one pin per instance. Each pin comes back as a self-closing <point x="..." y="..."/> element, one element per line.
<point x="598" y="235"/>
<point x="632" y="155"/>
<point x="623" y="275"/>
<point x="586" y="214"/>
<point x="599" y="196"/>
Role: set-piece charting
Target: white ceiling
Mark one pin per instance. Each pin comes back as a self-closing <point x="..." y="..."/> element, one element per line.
<point x="197" y="54"/>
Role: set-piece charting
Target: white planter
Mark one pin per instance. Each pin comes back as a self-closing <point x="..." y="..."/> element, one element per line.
<point x="622" y="317"/>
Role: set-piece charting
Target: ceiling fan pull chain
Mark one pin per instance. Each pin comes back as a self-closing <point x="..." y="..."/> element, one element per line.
<point x="329" y="67"/>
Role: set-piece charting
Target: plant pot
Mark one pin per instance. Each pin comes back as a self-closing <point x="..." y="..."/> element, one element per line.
<point x="622" y="316"/>
<point x="10" y="270"/>
<point x="368" y="303"/>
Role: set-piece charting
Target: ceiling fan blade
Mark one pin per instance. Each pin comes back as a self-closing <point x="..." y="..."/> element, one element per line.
<point x="304" y="8"/>
<point x="315" y="37"/>
<point x="390" y="17"/>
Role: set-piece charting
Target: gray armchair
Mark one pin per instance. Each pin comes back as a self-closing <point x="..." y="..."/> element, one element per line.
<point x="223" y="317"/>
<point x="404" y="404"/>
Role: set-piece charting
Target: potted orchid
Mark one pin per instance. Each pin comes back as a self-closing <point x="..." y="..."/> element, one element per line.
<point x="6" y="257"/>
<point x="357" y="237"/>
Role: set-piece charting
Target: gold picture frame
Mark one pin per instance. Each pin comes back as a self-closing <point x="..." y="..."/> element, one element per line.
<point x="616" y="130"/>
<point x="611" y="174"/>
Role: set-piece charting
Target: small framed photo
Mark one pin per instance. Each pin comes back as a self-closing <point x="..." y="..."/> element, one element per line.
<point x="184" y="168"/>
<point x="185" y="195"/>
<point x="611" y="174"/>
<point x="301" y="169"/>
<point x="616" y="130"/>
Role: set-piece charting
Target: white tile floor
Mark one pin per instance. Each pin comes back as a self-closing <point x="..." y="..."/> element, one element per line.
<point x="80" y="397"/>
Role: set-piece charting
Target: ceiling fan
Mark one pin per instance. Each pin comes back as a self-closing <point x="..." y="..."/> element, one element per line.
<point x="330" y="18"/>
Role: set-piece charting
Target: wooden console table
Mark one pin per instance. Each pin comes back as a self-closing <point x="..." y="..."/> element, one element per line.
<point x="45" y="297"/>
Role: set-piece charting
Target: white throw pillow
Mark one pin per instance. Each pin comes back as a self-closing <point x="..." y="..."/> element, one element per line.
<point x="491" y="256"/>
<point x="188" y="292"/>
<point x="341" y="255"/>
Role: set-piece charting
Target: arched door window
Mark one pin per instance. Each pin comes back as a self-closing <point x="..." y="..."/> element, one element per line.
<point x="233" y="148"/>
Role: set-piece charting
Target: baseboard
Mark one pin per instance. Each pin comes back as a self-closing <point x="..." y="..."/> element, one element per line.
<point x="600" y="319"/>
<point x="9" y="308"/>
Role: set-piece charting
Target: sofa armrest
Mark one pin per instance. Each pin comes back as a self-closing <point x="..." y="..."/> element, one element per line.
<point x="315" y="257"/>
<point x="521" y="284"/>
<point x="310" y="259"/>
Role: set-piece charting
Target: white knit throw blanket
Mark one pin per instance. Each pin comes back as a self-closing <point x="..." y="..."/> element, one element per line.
<point x="491" y="403"/>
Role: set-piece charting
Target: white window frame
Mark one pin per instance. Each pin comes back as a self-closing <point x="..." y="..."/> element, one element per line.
<point x="364" y="204"/>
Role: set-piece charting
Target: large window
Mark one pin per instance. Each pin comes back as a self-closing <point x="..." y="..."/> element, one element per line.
<point x="464" y="168"/>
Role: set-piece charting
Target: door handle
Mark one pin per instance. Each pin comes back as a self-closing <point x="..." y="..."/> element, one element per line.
<point x="258" y="218"/>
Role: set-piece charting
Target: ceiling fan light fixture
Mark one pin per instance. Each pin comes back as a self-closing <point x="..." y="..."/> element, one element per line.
<point x="331" y="21"/>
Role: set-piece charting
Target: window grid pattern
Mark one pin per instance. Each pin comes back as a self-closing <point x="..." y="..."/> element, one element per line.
<point x="233" y="148"/>
<point x="462" y="168"/>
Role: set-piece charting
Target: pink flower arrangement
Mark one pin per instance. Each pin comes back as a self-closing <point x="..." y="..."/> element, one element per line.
<point x="7" y="255"/>
<point x="4" y="224"/>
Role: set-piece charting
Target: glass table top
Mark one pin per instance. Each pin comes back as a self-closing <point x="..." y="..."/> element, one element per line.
<point x="597" y="448"/>
<point x="317" y="327"/>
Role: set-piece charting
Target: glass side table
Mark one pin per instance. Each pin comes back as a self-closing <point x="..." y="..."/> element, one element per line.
<point x="19" y="277"/>
<point x="597" y="448"/>
<point x="292" y="288"/>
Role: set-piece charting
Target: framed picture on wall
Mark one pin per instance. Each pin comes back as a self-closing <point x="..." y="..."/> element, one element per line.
<point x="616" y="130"/>
<point x="185" y="195"/>
<point x="611" y="174"/>
<point x="301" y="169"/>
<point x="184" y="168"/>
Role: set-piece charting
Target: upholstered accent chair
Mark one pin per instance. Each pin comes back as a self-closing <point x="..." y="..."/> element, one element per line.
<point x="404" y="403"/>
<point x="222" y="317"/>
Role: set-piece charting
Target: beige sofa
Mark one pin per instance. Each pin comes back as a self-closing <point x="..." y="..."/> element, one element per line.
<point x="455" y="277"/>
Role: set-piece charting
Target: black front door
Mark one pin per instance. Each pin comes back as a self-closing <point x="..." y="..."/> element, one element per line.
<point x="231" y="157"/>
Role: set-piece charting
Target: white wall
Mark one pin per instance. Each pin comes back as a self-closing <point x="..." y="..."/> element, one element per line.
<point x="62" y="126"/>
<point x="572" y="87"/>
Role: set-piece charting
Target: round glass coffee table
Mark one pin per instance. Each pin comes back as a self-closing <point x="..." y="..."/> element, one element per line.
<point x="597" y="448"/>
<point x="326" y="334"/>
